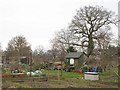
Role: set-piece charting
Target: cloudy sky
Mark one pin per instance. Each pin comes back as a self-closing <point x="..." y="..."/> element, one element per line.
<point x="38" y="20"/>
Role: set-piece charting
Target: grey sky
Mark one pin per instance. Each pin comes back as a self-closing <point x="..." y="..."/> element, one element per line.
<point x="37" y="20"/>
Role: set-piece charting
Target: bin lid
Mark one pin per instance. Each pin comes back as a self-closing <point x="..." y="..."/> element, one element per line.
<point x="92" y="73"/>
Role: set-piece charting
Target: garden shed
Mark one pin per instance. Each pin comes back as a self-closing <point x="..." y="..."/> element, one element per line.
<point x="74" y="60"/>
<point x="24" y="60"/>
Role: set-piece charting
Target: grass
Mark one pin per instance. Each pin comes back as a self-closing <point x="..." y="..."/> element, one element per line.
<point x="110" y="75"/>
<point x="65" y="75"/>
<point x="108" y="79"/>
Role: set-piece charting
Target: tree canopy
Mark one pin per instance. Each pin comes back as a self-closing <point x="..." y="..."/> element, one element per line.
<point x="18" y="46"/>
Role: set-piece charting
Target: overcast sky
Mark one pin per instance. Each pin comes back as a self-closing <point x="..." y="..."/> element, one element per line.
<point x="38" y="20"/>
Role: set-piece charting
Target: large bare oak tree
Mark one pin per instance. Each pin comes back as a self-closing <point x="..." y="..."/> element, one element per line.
<point x="87" y="22"/>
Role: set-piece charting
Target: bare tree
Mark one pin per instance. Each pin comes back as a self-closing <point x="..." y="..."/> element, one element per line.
<point x="39" y="50"/>
<point x="39" y="55"/>
<point x="64" y="39"/>
<point x="87" y="22"/>
<point x="17" y="47"/>
<point x="61" y="44"/>
<point x="56" y="49"/>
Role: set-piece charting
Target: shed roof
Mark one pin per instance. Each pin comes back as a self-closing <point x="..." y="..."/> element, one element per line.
<point x="74" y="55"/>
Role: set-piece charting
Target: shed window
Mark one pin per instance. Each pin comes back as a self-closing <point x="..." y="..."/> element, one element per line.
<point x="72" y="61"/>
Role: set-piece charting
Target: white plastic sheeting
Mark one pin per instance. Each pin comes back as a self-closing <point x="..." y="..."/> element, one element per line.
<point x="37" y="72"/>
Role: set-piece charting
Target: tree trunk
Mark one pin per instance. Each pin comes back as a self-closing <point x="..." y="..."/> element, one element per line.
<point x="61" y="68"/>
<point x="90" y="46"/>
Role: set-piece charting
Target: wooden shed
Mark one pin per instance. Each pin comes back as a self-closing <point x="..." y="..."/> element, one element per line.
<point x="74" y="60"/>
